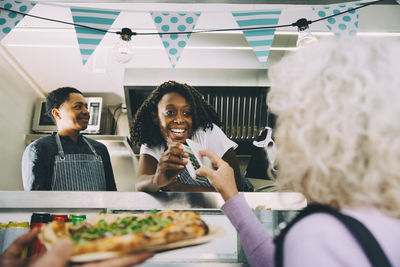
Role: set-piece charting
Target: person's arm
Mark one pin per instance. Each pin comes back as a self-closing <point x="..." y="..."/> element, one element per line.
<point x="145" y="175"/>
<point x="61" y="252"/>
<point x="216" y="141"/>
<point x="231" y="159"/>
<point x="11" y="257"/>
<point x="153" y="174"/>
<point x="257" y="244"/>
<point x="145" y="179"/>
<point x="59" y="255"/>
<point x="35" y="169"/>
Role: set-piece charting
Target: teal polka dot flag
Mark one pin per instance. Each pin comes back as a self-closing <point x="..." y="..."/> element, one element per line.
<point x="341" y="25"/>
<point x="177" y="23"/>
<point x="8" y="20"/>
<point x="260" y="40"/>
<point x="89" y="39"/>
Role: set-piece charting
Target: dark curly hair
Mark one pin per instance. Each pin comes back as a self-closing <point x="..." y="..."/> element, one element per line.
<point x="143" y="130"/>
<point x="58" y="96"/>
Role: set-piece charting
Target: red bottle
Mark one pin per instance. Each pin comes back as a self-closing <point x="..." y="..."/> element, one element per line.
<point x="60" y="217"/>
<point x="38" y="220"/>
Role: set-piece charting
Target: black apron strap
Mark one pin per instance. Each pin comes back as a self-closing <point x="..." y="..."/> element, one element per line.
<point x="367" y="241"/>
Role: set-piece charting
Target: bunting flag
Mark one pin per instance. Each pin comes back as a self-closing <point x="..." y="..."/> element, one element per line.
<point x="260" y="40"/>
<point x="342" y="25"/>
<point x="179" y="24"/>
<point x="8" y="20"/>
<point x="89" y="39"/>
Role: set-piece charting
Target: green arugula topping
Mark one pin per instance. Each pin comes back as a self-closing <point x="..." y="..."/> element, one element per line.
<point x="120" y="227"/>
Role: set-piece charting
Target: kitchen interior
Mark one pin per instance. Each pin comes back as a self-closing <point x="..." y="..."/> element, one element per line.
<point x="39" y="55"/>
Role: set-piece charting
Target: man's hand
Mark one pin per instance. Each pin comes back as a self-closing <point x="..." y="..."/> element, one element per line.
<point x="59" y="255"/>
<point x="11" y="257"/>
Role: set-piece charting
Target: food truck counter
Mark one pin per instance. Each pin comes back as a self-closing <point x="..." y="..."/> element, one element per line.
<point x="271" y="208"/>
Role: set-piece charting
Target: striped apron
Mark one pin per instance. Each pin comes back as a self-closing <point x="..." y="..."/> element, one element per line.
<point x="185" y="178"/>
<point x="78" y="172"/>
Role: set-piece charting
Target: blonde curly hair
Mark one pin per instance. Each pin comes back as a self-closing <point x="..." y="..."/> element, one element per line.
<point x="338" y="134"/>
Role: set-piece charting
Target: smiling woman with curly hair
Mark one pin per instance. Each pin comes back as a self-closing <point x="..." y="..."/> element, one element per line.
<point x="172" y="113"/>
<point x="143" y="130"/>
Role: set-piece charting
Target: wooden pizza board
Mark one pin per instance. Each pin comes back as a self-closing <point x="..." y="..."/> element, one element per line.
<point x="214" y="233"/>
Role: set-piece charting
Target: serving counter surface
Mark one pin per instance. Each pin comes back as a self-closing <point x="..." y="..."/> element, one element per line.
<point x="143" y="201"/>
<point x="271" y="208"/>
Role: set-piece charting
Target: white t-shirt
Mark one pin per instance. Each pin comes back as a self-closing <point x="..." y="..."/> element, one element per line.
<point x="214" y="140"/>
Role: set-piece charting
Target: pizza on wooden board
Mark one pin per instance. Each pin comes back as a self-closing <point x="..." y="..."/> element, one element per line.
<point x="121" y="233"/>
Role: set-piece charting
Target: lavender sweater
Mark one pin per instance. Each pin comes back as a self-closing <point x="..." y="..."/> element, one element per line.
<point x="317" y="240"/>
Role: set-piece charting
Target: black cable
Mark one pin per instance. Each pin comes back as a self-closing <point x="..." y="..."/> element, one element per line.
<point x="361" y="6"/>
<point x="114" y="121"/>
<point x="266" y="27"/>
<point x="220" y="30"/>
<point x="200" y="31"/>
<point x="56" y="20"/>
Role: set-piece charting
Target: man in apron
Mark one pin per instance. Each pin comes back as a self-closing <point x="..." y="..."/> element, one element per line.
<point x="66" y="160"/>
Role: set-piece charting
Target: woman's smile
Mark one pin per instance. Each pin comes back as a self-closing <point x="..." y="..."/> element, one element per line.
<point x="177" y="133"/>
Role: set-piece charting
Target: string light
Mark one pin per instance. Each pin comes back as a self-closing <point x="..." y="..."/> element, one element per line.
<point x="123" y="49"/>
<point x="305" y="37"/>
<point x="193" y="32"/>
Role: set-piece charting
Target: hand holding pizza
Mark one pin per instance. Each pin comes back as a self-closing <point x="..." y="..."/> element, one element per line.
<point x="171" y="163"/>
<point x="59" y="255"/>
<point x="223" y="177"/>
<point x="11" y="257"/>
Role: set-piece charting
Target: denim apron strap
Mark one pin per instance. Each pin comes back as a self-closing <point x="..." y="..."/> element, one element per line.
<point x="78" y="172"/>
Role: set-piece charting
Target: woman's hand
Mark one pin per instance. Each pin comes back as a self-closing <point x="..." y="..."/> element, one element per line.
<point x="171" y="164"/>
<point x="223" y="178"/>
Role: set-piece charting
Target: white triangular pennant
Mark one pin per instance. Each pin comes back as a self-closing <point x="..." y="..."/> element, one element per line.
<point x="261" y="39"/>
<point x="89" y="39"/>
<point x="175" y="23"/>
<point x="345" y="24"/>
<point x="8" y="19"/>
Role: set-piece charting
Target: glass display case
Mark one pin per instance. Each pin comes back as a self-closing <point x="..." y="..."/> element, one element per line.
<point x="271" y="208"/>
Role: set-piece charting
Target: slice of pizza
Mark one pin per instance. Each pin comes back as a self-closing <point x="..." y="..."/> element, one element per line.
<point x="123" y="233"/>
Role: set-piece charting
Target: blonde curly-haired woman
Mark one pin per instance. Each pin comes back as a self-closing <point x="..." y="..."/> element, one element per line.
<point x="338" y="138"/>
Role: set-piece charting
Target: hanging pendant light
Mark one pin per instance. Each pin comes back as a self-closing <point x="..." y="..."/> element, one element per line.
<point x="305" y="37"/>
<point x="123" y="49"/>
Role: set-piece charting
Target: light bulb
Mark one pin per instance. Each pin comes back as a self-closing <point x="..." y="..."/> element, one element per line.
<point x="122" y="51"/>
<point x="305" y="38"/>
